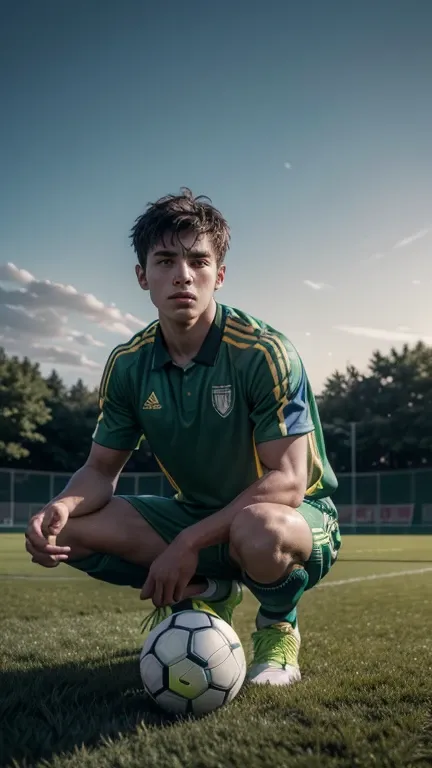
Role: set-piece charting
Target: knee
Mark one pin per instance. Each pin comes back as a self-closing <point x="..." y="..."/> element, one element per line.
<point x="270" y="532"/>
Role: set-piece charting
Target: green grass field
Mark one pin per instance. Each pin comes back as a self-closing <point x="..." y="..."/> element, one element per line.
<point x="70" y="691"/>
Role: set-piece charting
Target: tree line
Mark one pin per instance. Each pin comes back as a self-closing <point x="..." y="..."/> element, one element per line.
<point x="46" y="425"/>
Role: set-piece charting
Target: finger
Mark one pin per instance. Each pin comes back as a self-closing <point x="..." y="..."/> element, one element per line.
<point x="53" y="525"/>
<point x="39" y="558"/>
<point x="45" y="562"/>
<point x="148" y="588"/>
<point x="41" y="544"/>
<point x="42" y="558"/>
<point x="180" y="590"/>
<point x="168" y="592"/>
<point x="158" y="593"/>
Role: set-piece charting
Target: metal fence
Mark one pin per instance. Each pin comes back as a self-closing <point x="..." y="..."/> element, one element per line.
<point x="376" y="502"/>
<point x="22" y="494"/>
<point x="369" y="502"/>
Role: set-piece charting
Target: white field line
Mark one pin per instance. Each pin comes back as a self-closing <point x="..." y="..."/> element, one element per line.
<point x="372" y="551"/>
<point x="340" y="583"/>
<point x="373" y="577"/>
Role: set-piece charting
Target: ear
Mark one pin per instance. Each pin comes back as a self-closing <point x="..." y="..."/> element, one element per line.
<point x="141" y="277"/>
<point x="220" y="277"/>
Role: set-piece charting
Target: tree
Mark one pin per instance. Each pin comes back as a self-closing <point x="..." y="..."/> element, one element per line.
<point x="67" y="437"/>
<point x="392" y="406"/>
<point x="22" y="407"/>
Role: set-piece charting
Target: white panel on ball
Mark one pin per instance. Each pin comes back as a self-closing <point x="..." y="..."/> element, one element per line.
<point x="226" y="673"/>
<point x="172" y="703"/>
<point x="208" y="701"/>
<point x="207" y="641"/>
<point x="220" y="656"/>
<point x="154" y="634"/>
<point x="192" y="619"/>
<point x="152" y="673"/>
<point x="240" y="658"/>
<point x="172" y="645"/>
<point x="236" y="688"/>
<point x="226" y="630"/>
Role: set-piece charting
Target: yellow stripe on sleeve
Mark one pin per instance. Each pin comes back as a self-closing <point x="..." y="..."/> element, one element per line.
<point x="315" y="464"/>
<point x="135" y="343"/>
<point x="280" y="379"/>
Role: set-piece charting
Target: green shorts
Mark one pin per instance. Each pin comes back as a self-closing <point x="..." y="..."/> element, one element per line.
<point x="168" y="517"/>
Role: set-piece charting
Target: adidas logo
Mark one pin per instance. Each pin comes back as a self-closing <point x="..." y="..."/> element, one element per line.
<point x="152" y="403"/>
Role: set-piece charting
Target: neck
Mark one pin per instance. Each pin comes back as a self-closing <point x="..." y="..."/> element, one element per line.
<point x="185" y="340"/>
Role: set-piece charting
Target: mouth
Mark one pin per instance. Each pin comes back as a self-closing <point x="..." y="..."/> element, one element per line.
<point x="183" y="296"/>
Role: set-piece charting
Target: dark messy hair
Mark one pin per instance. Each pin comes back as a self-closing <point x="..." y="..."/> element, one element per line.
<point x="174" y="214"/>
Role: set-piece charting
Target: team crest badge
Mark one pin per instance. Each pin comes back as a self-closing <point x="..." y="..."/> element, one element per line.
<point x="223" y="399"/>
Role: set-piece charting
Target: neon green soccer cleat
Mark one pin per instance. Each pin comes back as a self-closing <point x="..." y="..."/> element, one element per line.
<point x="276" y="651"/>
<point x="222" y="608"/>
<point x="225" y="608"/>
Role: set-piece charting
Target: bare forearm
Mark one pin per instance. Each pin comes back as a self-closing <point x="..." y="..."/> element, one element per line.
<point x="274" y="487"/>
<point x="88" y="490"/>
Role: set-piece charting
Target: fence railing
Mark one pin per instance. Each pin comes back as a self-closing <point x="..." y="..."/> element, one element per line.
<point x="376" y="500"/>
<point x="23" y="493"/>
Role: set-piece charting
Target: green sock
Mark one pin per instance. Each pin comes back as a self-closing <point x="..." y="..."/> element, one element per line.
<point x="279" y="599"/>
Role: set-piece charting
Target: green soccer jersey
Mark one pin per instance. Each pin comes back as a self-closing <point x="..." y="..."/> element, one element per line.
<point x="203" y="422"/>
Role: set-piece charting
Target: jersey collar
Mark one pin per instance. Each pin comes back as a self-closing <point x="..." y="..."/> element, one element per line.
<point x="209" y="348"/>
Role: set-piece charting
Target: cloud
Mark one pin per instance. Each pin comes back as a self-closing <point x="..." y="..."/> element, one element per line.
<point x="46" y="323"/>
<point x="9" y="273"/>
<point x="38" y="294"/>
<point x="384" y="335"/>
<point x="19" y="320"/>
<point x="397" y="246"/>
<point x="316" y="286"/>
<point x="46" y="353"/>
<point x="61" y="356"/>
<point x="288" y="166"/>
<point x="411" y="238"/>
<point x="85" y="339"/>
<point x="34" y="319"/>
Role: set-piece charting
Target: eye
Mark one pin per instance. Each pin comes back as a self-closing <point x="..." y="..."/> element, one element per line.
<point x="200" y="262"/>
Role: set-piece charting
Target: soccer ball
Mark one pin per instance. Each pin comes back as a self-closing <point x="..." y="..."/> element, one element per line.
<point x="192" y="663"/>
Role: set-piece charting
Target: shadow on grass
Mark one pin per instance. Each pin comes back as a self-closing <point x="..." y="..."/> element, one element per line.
<point x="44" y="712"/>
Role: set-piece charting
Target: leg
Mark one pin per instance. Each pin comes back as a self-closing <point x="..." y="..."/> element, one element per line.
<point x="118" y="544"/>
<point x="282" y="552"/>
<point x="115" y="544"/>
<point x="116" y="529"/>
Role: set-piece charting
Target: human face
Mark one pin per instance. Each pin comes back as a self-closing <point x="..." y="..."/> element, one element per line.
<point x="181" y="276"/>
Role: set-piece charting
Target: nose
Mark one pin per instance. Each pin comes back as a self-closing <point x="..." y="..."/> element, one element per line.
<point x="183" y="274"/>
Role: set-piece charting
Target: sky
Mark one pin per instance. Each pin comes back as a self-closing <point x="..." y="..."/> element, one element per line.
<point x="307" y="124"/>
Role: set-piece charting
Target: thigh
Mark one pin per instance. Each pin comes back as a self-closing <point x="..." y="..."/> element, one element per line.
<point x="115" y="545"/>
<point x="168" y="517"/>
<point x="322" y="518"/>
<point x="119" y="543"/>
<point x="116" y="529"/>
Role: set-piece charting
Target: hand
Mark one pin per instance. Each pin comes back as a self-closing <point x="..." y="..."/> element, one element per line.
<point x="46" y="524"/>
<point x="170" y="574"/>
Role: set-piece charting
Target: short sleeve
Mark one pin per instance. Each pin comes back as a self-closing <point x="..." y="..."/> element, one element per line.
<point x="117" y="426"/>
<point x="279" y="390"/>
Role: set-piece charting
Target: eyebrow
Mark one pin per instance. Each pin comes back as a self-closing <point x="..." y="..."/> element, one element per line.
<point x="195" y="254"/>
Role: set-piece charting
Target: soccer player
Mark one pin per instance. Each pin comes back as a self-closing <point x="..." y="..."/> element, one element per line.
<point x="225" y="404"/>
